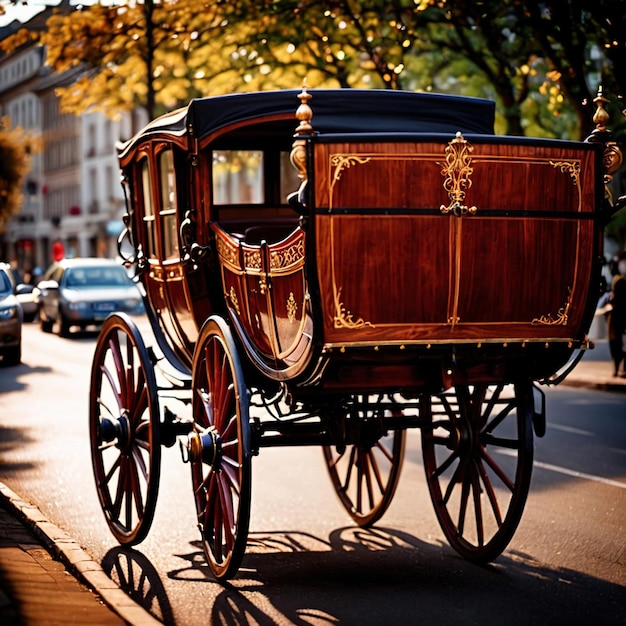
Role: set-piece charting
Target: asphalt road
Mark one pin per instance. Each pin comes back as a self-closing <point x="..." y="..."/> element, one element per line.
<point x="306" y="563"/>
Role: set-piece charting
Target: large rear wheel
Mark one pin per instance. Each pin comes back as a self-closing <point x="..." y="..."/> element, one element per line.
<point x="478" y="456"/>
<point x="219" y="449"/>
<point x="124" y="426"/>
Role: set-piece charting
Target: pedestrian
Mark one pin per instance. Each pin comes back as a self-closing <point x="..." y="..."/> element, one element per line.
<point x="617" y="315"/>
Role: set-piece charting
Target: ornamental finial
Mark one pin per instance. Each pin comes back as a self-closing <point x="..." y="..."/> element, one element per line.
<point x="304" y="114"/>
<point x="601" y="117"/>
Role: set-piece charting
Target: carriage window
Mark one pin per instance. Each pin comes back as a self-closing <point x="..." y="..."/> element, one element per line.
<point x="168" y="205"/>
<point x="148" y="213"/>
<point x="238" y="177"/>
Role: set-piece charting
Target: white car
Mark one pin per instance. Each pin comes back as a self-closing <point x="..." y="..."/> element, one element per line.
<point x="83" y="292"/>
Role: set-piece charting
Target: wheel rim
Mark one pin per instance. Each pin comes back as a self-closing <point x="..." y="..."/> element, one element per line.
<point x="365" y="475"/>
<point x="219" y="451"/>
<point x="124" y="430"/>
<point x="478" y="456"/>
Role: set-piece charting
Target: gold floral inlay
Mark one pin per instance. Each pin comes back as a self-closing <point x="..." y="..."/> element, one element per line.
<point x="344" y="318"/>
<point x="283" y="259"/>
<point x="292" y="308"/>
<point x="226" y="252"/>
<point x="457" y="170"/>
<point x="232" y="296"/>
<point x="252" y="258"/>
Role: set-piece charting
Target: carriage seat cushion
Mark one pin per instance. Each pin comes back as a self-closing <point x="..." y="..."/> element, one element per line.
<point x="270" y="230"/>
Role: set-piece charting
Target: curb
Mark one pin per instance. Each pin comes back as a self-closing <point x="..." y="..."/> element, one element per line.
<point x="602" y="384"/>
<point x="76" y="560"/>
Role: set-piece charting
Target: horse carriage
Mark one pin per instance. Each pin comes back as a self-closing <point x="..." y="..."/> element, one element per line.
<point x="391" y="265"/>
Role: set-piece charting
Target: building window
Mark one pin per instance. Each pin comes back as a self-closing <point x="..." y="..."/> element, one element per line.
<point x="91" y="140"/>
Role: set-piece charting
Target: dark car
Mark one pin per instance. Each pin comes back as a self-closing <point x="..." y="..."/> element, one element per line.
<point x="82" y="292"/>
<point x="11" y="317"/>
<point x="27" y="295"/>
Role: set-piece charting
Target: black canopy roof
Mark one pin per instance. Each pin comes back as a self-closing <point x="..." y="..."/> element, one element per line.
<point x="334" y="111"/>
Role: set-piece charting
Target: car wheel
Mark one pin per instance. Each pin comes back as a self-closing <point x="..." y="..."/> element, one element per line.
<point x="45" y="323"/>
<point x="63" y="326"/>
<point x="13" y="356"/>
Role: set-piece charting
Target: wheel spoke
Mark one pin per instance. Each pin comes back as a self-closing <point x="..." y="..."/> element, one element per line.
<point x="491" y="494"/>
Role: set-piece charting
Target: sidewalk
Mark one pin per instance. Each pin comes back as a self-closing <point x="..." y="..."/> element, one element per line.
<point x="47" y="579"/>
<point x="595" y="370"/>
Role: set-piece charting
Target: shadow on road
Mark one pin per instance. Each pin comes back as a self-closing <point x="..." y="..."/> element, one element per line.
<point x="374" y="576"/>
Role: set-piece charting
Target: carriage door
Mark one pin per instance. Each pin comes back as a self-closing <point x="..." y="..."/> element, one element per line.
<point x="181" y="319"/>
<point x="164" y="280"/>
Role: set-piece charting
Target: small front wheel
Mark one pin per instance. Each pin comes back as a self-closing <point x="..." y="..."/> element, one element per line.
<point x="219" y="449"/>
<point x="365" y="474"/>
<point x="124" y="427"/>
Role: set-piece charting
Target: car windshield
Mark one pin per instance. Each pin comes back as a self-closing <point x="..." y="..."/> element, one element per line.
<point x="5" y="283"/>
<point x="96" y="277"/>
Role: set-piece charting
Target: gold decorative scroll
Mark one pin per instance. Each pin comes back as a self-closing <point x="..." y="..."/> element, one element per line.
<point x="343" y="318"/>
<point x="561" y="317"/>
<point x="457" y="170"/>
<point x="573" y="169"/>
<point x="342" y="162"/>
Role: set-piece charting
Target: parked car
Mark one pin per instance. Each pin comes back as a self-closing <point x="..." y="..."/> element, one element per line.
<point x="82" y="292"/>
<point x="11" y="317"/>
<point x="27" y="295"/>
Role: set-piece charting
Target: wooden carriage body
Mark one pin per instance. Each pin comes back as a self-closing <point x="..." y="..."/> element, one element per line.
<point x="417" y="249"/>
<point x="334" y="268"/>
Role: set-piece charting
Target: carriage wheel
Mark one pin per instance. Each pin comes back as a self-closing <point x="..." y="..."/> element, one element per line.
<point x="365" y="475"/>
<point x="478" y="455"/>
<point x="219" y="449"/>
<point x="124" y="421"/>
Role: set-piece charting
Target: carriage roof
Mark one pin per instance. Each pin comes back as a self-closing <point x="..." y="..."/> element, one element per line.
<point x="335" y="111"/>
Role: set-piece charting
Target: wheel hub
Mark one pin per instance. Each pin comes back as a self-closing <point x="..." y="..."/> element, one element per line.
<point x="205" y="447"/>
<point x="116" y="430"/>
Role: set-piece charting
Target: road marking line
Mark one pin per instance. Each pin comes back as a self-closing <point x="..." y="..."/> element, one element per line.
<point x="568" y="472"/>
<point x="570" y="429"/>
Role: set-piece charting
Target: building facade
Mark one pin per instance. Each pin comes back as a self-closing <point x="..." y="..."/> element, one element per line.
<point x="72" y="194"/>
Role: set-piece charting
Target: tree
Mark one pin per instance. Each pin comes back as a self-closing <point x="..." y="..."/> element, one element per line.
<point x="133" y="53"/>
<point x="542" y="62"/>
<point x="15" y="148"/>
